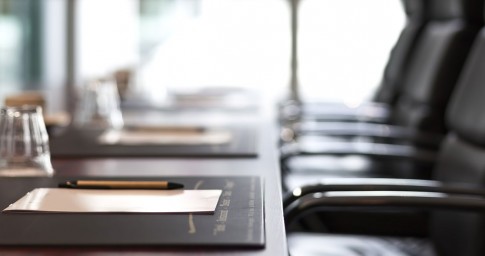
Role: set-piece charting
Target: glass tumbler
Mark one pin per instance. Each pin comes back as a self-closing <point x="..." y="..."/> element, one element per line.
<point x="24" y="143"/>
<point x="99" y="106"/>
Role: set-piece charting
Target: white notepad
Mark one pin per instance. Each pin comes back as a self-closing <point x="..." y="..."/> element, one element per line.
<point x="112" y="200"/>
<point x="129" y="137"/>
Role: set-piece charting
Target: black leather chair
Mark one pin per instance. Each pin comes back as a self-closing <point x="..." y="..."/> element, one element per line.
<point x="388" y="90"/>
<point x="457" y="187"/>
<point x="442" y="48"/>
<point x="418" y="114"/>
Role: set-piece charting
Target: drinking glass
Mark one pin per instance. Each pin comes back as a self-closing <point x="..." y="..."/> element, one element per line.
<point x="99" y="106"/>
<point x="24" y="143"/>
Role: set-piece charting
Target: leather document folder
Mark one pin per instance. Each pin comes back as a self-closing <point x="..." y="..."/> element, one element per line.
<point x="235" y="141"/>
<point x="238" y="220"/>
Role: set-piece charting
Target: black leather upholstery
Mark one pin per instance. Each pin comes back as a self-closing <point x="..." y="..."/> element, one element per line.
<point x="465" y="118"/>
<point x="433" y="73"/>
<point x="436" y="63"/>
<point x="434" y="70"/>
<point x="451" y="233"/>
<point x="399" y="57"/>
<point x="461" y="160"/>
<point x="419" y="82"/>
<point x="388" y="90"/>
<point x="321" y="245"/>
<point x="463" y="157"/>
<point x="446" y="9"/>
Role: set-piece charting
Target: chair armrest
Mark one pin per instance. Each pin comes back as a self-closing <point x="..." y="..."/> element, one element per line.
<point x="366" y="108"/>
<point x="367" y="130"/>
<point x="365" y="112"/>
<point x="384" y="199"/>
<point x="368" y="111"/>
<point x="318" y="104"/>
<point x="379" y="184"/>
<point x="375" y="150"/>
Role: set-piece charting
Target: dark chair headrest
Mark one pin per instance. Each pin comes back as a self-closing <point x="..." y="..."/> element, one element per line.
<point x="470" y="10"/>
<point x="415" y="8"/>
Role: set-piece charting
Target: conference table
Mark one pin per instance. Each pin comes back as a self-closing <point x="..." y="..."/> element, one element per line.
<point x="254" y="156"/>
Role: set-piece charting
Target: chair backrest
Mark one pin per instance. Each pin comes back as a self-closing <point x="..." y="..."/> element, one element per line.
<point x="436" y="63"/>
<point x="462" y="158"/>
<point x="398" y="61"/>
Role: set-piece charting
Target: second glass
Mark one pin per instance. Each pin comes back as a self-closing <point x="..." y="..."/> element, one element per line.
<point x="99" y="106"/>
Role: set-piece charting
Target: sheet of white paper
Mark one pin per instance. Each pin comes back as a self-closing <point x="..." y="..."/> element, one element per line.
<point x="127" y="137"/>
<point x="111" y="200"/>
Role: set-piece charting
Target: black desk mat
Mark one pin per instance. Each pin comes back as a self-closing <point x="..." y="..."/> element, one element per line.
<point x="78" y="143"/>
<point x="237" y="222"/>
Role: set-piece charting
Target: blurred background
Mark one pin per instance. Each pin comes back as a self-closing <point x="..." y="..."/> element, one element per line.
<point x="171" y="45"/>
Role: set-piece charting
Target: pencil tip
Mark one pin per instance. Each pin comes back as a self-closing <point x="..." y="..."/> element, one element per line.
<point x="175" y="185"/>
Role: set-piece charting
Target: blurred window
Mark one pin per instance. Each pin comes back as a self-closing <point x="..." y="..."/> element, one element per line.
<point x="20" y="48"/>
<point x="344" y="46"/>
<point x="177" y="44"/>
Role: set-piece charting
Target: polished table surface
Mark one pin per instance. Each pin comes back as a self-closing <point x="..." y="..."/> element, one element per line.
<point x="264" y="165"/>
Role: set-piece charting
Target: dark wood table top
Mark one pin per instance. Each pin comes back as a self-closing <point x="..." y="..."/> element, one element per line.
<point x="264" y="165"/>
<point x="240" y="126"/>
